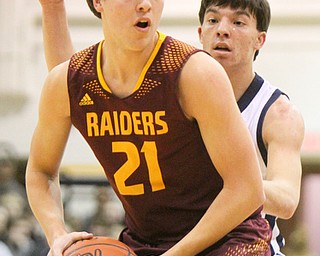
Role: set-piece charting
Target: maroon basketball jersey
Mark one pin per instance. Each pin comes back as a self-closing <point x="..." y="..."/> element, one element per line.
<point x="153" y="156"/>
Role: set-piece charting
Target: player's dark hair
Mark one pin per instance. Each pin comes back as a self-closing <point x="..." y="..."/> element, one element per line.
<point x="259" y="9"/>
<point x="94" y="11"/>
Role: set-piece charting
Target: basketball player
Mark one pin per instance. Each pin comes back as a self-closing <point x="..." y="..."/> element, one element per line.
<point x="233" y="32"/>
<point x="161" y="118"/>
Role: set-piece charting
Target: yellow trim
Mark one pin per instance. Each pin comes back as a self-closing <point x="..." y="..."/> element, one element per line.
<point x="161" y="38"/>
<point x="99" y="70"/>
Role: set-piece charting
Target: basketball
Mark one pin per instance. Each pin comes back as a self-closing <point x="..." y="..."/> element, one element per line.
<point x="99" y="246"/>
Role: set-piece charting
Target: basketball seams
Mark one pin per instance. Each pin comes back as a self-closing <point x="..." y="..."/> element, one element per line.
<point x="97" y="244"/>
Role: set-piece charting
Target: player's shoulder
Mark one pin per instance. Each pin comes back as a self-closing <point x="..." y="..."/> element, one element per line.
<point x="284" y="109"/>
<point x="283" y="119"/>
<point x="202" y="65"/>
<point x="57" y="77"/>
<point x="203" y="73"/>
<point x="204" y="84"/>
<point x="59" y="71"/>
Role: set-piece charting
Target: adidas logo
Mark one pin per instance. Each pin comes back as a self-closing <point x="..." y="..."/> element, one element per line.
<point x="86" y="100"/>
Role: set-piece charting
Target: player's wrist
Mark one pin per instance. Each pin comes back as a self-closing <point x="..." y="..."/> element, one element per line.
<point x="52" y="6"/>
<point x="55" y="235"/>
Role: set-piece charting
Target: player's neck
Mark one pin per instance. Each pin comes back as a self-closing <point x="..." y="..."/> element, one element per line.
<point x="122" y="69"/>
<point x="240" y="81"/>
<point x="121" y="60"/>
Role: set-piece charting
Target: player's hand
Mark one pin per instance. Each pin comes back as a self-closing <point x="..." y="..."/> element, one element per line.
<point x="61" y="243"/>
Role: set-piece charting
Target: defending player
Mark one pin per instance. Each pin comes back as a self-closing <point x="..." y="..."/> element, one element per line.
<point x="233" y="32"/>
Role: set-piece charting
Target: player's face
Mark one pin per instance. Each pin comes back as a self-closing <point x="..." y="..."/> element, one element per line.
<point x="230" y="36"/>
<point x="131" y="23"/>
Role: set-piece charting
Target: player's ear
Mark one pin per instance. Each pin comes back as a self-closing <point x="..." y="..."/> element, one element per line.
<point x="200" y="34"/>
<point x="97" y="5"/>
<point x="92" y="5"/>
<point x="261" y="39"/>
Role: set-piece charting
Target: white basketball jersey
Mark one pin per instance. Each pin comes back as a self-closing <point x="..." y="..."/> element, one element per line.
<point x="254" y="105"/>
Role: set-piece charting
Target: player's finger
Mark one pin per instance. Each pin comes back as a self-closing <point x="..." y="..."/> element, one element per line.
<point x="63" y="242"/>
<point x="75" y="236"/>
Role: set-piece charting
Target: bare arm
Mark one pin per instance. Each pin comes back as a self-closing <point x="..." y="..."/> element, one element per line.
<point x="283" y="133"/>
<point x="47" y="147"/>
<point x="48" y="143"/>
<point x="230" y="147"/>
<point x="56" y="38"/>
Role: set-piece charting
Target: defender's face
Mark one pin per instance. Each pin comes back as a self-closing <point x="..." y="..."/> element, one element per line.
<point x="230" y="36"/>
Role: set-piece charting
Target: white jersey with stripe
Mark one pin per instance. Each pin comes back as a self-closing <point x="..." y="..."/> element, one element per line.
<point x="254" y="105"/>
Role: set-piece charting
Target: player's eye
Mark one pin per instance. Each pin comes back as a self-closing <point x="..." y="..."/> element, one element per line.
<point x="238" y="23"/>
<point x="212" y="21"/>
